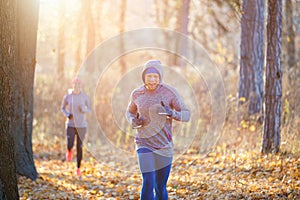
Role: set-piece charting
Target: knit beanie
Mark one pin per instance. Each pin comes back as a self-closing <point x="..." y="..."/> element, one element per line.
<point x="151" y="70"/>
<point x="152" y="66"/>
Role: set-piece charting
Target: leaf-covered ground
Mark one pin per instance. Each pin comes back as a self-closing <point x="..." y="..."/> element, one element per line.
<point x="219" y="175"/>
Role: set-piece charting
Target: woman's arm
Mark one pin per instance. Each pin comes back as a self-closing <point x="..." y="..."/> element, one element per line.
<point x="64" y="104"/>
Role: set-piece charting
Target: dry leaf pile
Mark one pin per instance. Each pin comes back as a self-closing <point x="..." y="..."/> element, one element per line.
<point x="219" y="175"/>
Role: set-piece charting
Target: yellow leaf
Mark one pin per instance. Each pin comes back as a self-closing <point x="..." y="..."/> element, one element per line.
<point x="252" y="128"/>
<point x="242" y="99"/>
<point x="93" y="192"/>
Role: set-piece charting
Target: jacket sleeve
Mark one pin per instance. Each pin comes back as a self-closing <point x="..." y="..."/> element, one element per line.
<point x="131" y="110"/>
<point x="87" y="104"/>
<point x="64" y="104"/>
<point x="181" y="112"/>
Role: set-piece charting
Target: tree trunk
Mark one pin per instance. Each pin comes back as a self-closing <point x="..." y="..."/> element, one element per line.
<point x="61" y="43"/>
<point x="8" y="178"/>
<point x="273" y="89"/>
<point x="90" y="26"/>
<point x="85" y="28"/>
<point x="97" y="21"/>
<point x="289" y="39"/>
<point x="90" y="32"/>
<point x="182" y="27"/>
<point x="252" y="56"/>
<point x="297" y="31"/>
<point x="79" y="30"/>
<point x="122" y="29"/>
<point x="26" y="59"/>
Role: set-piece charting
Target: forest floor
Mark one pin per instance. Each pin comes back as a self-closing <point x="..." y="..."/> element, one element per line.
<point x="222" y="174"/>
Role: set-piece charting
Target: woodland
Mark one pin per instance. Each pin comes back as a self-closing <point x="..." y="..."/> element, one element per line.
<point x="236" y="64"/>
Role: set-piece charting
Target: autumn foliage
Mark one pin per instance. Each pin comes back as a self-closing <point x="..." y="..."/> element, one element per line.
<point x="223" y="174"/>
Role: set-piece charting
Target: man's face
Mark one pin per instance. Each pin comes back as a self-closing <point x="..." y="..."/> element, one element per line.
<point x="152" y="81"/>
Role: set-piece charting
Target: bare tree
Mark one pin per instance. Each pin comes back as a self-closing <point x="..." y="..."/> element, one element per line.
<point x="18" y="46"/>
<point x="79" y="30"/>
<point x="252" y="55"/>
<point x="289" y="35"/>
<point x="163" y="12"/>
<point x="86" y="29"/>
<point x="27" y="22"/>
<point x="61" y="42"/>
<point x="90" y="35"/>
<point x="122" y="29"/>
<point x="182" y="27"/>
<point x="273" y="89"/>
<point x="297" y="25"/>
<point x="89" y="31"/>
<point x="98" y="20"/>
<point x="8" y="178"/>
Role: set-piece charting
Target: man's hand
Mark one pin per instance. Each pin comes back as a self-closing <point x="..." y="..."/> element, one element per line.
<point x="168" y="110"/>
<point x="138" y="121"/>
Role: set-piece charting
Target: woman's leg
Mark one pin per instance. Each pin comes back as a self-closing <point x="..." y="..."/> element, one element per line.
<point x="70" y="137"/>
<point x="79" y="142"/>
<point x="146" y="163"/>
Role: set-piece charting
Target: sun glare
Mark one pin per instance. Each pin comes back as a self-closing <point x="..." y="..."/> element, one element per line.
<point x="68" y="3"/>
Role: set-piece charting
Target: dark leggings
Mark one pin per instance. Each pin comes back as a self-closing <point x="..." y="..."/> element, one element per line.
<point x="80" y="134"/>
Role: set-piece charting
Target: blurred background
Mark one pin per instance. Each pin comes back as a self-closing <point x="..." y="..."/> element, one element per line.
<point x="69" y="31"/>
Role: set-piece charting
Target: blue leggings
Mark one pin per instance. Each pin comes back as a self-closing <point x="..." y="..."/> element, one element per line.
<point x="155" y="172"/>
<point x="80" y="134"/>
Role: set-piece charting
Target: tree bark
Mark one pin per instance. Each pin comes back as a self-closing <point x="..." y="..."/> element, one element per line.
<point x="27" y="21"/>
<point x="182" y="27"/>
<point x="289" y="39"/>
<point x="273" y="89"/>
<point x="81" y="21"/>
<point x="8" y="178"/>
<point x="88" y="21"/>
<point x="252" y="56"/>
<point x="61" y="43"/>
<point x="297" y="31"/>
<point x="86" y="29"/>
<point x="122" y="29"/>
<point x="90" y="26"/>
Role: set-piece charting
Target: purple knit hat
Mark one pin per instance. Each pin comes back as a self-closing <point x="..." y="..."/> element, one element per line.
<point x="151" y="70"/>
<point x="152" y="66"/>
